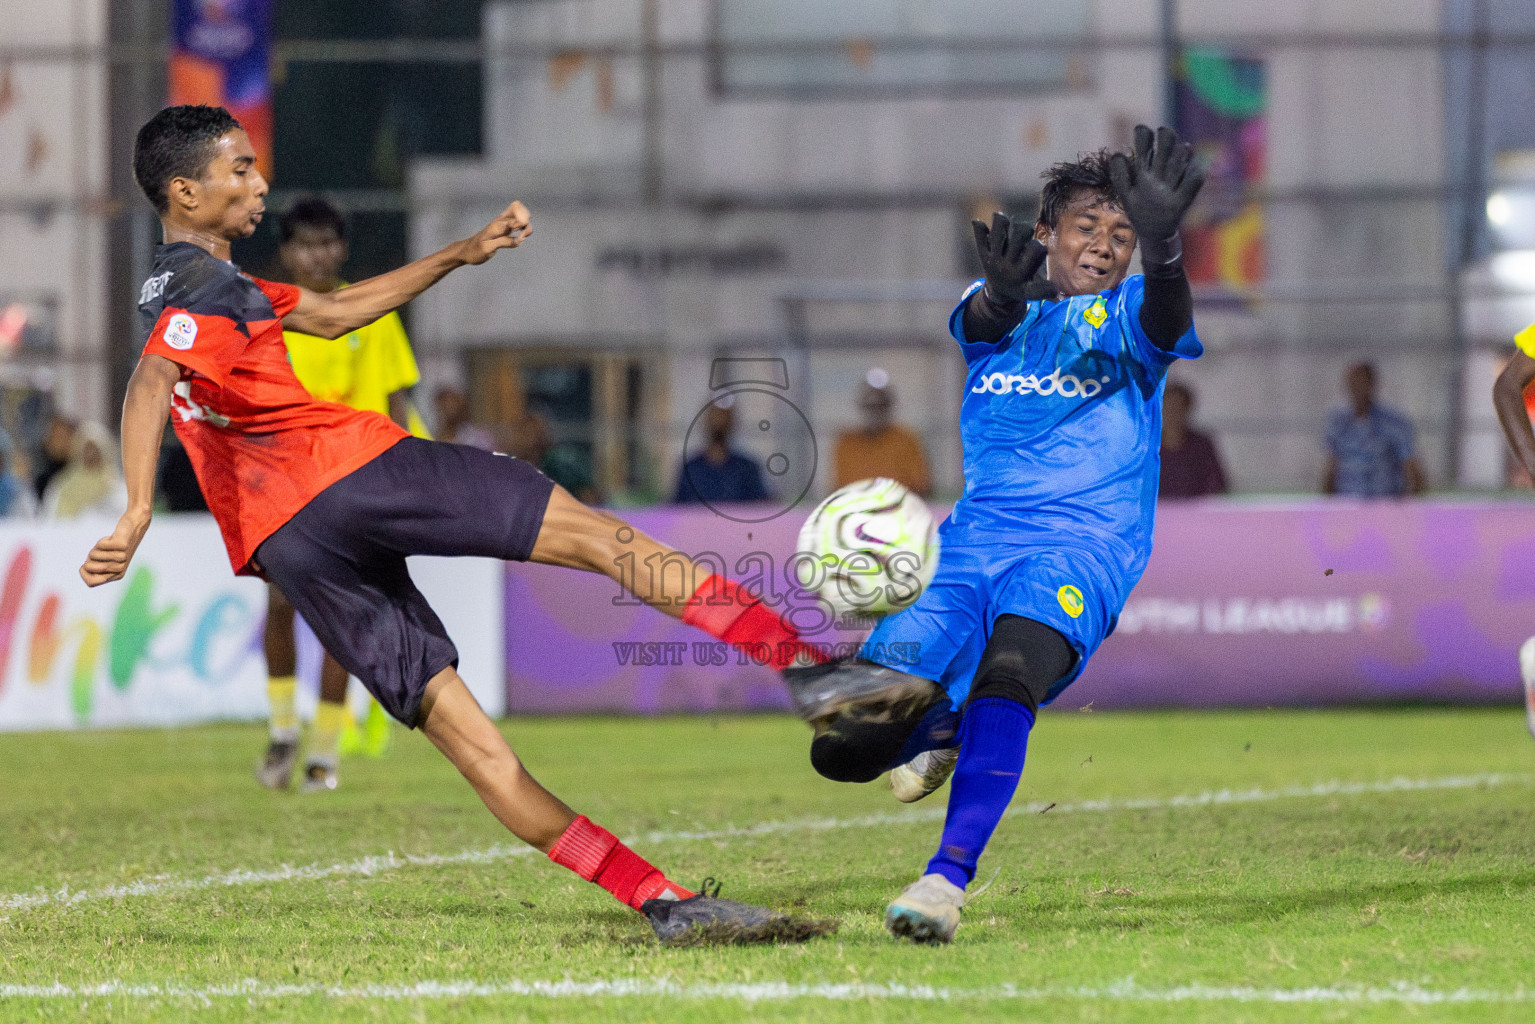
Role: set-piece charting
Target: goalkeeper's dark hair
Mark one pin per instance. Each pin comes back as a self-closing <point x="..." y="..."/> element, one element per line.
<point x="177" y="143"/>
<point x="310" y="212"/>
<point x="1068" y="181"/>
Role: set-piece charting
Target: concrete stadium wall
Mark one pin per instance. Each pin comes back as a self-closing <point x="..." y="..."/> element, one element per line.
<point x="54" y="193"/>
<point x="879" y="190"/>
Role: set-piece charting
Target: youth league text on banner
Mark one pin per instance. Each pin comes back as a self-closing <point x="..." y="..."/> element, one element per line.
<point x="179" y="639"/>
<point x="220" y="56"/>
<point x="1327" y="602"/>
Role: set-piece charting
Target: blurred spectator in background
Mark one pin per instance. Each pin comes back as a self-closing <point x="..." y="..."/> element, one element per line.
<point x="717" y="473"/>
<point x="453" y="423"/>
<point x="1191" y="467"/>
<point x="17" y="501"/>
<point x="54" y="455"/>
<point x="177" y="483"/>
<point x="565" y="464"/>
<point x="880" y="447"/>
<point x="90" y="483"/>
<point x="1370" y="449"/>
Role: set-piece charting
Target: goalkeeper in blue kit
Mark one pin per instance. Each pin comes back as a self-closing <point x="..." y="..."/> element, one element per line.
<point x="1067" y="357"/>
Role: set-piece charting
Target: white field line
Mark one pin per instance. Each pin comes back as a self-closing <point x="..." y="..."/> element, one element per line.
<point x="772" y="991"/>
<point x="378" y="864"/>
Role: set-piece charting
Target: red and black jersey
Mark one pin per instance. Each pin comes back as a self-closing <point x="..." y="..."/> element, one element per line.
<point x="261" y="446"/>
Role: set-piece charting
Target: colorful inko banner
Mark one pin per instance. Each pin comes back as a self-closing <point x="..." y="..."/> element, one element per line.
<point x="179" y="639"/>
<point x="220" y="56"/>
<point x="1223" y="110"/>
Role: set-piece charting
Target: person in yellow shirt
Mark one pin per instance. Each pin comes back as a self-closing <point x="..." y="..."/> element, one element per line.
<point x="371" y="368"/>
<point x="881" y="447"/>
<point x="1508" y="398"/>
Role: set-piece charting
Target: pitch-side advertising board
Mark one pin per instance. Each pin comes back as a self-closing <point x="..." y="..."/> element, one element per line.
<point x="178" y="640"/>
<point x="1242" y="604"/>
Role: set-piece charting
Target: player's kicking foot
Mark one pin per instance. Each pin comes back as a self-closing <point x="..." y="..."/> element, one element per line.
<point x="923" y="774"/>
<point x="1527" y="670"/>
<point x="928" y="911"/>
<point x="821" y="692"/>
<point x="705" y="919"/>
<point x="276" y="767"/>
<point x="319" y="776"/>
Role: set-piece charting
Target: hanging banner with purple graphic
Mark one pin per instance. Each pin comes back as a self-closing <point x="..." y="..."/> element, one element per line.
<point x="221" y="56"/>
<point x="1326" y="602"/>
<point x="1222" y="109"/>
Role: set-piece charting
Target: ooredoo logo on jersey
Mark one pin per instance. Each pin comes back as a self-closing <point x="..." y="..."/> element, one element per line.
<point x="1064" y="385"/>
<point x="180" y="332"/>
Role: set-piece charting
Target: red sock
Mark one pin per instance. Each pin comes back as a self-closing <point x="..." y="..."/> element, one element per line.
<point x="746" y="623"/>
<point x="595" y="854"/>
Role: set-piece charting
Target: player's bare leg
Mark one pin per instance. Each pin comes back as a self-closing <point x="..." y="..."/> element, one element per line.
<point x="453" y="720"/>
<point x="578" y="537"/>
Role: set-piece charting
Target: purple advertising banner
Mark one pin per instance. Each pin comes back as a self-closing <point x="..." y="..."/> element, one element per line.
<point x="1324" y="602"/>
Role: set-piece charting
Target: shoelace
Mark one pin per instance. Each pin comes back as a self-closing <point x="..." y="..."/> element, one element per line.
<point x="971" y="897"/>
<point x="703" y="890"/>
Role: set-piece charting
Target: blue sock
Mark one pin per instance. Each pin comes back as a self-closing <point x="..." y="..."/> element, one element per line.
<point x="938" y="729"/>
<point x="994" y="738"/>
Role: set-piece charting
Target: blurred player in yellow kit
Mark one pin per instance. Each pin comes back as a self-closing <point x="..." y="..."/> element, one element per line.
<point x="373" y="369"/>
<point x="1508" y="397"/>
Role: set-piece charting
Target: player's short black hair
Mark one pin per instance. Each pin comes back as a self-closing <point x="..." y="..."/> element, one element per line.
<point x="177" y="143"/>
<point x="1067" y="181"/>
<point x="310" y="212"/>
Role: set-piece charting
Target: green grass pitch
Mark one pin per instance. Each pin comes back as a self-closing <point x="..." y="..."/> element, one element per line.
<point x="144" y="876"/>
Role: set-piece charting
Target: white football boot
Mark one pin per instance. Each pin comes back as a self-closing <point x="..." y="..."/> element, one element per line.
<point x="923" y="774"/>
<point x="320" y="775"/>
<point x="928" y="911"/>
<point x="1527" y="670"/>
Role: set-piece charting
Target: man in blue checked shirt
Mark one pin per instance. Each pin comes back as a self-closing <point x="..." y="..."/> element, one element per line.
<point x="1371" y="450"/>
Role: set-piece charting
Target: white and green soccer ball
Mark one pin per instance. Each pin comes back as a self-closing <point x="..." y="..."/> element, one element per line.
<point x="876" y="546"/>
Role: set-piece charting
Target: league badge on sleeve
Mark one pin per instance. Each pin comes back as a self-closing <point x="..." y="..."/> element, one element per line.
<point x="180" y="332"/>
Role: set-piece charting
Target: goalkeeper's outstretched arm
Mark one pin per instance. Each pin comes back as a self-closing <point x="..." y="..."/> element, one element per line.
<point x="1158" y="183"/>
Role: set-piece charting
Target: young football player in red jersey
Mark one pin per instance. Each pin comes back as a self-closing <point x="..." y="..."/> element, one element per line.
<point x="326" y="501"/>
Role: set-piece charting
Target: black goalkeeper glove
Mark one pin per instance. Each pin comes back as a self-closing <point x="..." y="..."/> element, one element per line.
<point x="1014" y="262"/>
<point x="1157" y="186"/>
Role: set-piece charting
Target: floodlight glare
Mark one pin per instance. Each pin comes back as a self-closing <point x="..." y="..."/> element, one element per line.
<point x="1515" y="269"/>
<point x="1499" y="210"/>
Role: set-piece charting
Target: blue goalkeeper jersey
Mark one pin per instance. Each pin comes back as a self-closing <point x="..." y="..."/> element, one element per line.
<point x="1062" y="427"/>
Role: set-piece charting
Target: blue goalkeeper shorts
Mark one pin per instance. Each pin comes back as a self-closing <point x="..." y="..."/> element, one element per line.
<point x="941" y="637"/>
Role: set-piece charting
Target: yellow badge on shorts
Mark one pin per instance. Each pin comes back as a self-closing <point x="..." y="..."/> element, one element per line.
<point x="1071" y="600"/>
<point x="1096" y="314"/>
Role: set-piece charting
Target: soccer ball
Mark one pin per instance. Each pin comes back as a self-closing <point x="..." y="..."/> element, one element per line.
<point x="876" y="546"/>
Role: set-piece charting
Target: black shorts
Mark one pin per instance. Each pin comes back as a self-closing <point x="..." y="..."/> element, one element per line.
<point x="341" y="559"/>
